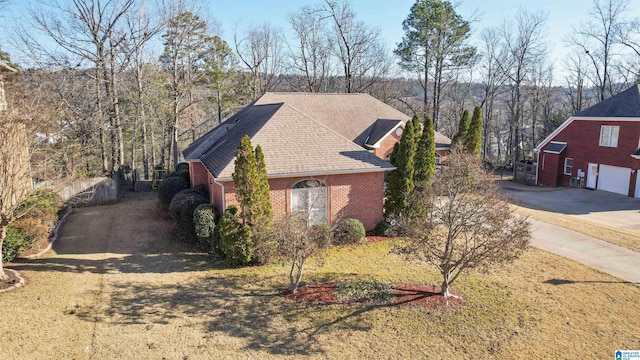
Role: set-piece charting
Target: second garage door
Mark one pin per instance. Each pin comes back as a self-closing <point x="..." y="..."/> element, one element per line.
<point x="614" y="179"/>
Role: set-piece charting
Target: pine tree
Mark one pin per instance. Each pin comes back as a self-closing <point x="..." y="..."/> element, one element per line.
<point x="463" y="128"/>
<point x="400" y="181"/>
<point x="394" y="153"/>
<point x="473" y="139"/>
<point x="425" y="161"/>
<point x="264" y="209"/>
<point x="245" y="178"/>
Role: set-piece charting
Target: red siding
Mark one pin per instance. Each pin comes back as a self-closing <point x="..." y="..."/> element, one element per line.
<point x="583" y="145"/>
<point x="357" y="196"/>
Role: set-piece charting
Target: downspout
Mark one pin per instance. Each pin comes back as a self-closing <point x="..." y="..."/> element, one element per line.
<point x="537" y="165"/>
<point x="222" y="199"/>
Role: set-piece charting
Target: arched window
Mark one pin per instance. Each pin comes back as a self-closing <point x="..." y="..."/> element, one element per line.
<point x="309" y="198"/>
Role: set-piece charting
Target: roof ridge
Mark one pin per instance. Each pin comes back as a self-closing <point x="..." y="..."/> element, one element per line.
<point x="312" y="93"/>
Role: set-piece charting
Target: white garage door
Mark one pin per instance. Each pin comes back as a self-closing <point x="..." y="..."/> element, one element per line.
<point x="614" y="179"/>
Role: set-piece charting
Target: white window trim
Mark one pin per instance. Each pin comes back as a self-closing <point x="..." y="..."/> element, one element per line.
<point x="611" y="141"/>
<point x="564" y="170"/>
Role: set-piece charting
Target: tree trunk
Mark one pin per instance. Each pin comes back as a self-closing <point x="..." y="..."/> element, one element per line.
<point x="103" y="145"/>
<point x="444" y="289"/>
<point x="115" y="103"/>
<point x="3" y="234"/>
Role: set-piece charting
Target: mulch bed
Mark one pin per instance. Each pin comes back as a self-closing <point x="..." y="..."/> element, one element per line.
<point x="405" y="295"/>
<point x="14" y="281"/>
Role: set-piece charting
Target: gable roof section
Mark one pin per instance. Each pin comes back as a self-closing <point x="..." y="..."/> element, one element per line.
<point x="351" y="115"/>
<point x="624" y="106"/>
<point x="379" y="130"/>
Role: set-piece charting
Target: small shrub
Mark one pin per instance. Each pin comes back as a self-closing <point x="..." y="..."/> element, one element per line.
<point x="385" y="228"/>
<point x="236" y="241"/>
<point x="13" y="243"/>
<point x="183" y="166"/>
<point x="204" y="220"/>
<point x="323" y="235"/>
<point x="202" y="189"/>
<point x="365" y="291"/>
<point x="169" y="187"/>
<point x="349" y="231"/>
<point x="42" y="204"/>
<point x="181" y="210"/>
<point x="34" y="230"/>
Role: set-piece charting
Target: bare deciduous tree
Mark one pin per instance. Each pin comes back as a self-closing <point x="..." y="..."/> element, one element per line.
<point x="260" y="50"/>
<point x="297" y="241"/>
<point x="467" y="223"/>
<point x="357" y="47"/>
<point x="310" y="56"/>
<point x="598" y="39"/>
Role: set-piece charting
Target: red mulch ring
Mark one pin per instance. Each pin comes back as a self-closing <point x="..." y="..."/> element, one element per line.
<point x="423" y="296"/>
<point x="375" y="239"/>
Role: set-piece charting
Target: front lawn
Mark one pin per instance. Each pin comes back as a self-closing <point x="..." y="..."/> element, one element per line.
<point x="542" y="306"/>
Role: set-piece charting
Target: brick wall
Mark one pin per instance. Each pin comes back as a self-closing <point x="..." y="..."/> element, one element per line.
<point x="357" y="196"/>
<point x="198" y="173"/>
<point x="386" y="146"/>
<point x="583" y="139"/>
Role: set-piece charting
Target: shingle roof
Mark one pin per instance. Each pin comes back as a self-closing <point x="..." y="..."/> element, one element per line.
<point x="624" y="104"/>
<point x="555" y="147"/>
<point x="303" y="133"/>
<point x="352" y="115"/>
<point x="379" y="129"/>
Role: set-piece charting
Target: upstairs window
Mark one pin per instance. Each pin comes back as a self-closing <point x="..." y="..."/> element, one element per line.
<point x="609" y="135"/>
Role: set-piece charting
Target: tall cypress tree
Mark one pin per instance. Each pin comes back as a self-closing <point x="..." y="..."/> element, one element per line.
<point x="400" y="181"/>
<point x="425" y="161"/>
<point x="473" y="139"/>
<point x="245" y="178"/>
<point x="417" y="125"/>
<point x="463" y="128"/>
<point x="264" y="209"/>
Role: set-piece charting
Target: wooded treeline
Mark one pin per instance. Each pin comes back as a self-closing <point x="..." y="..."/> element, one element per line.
<point x="131" y="82"/>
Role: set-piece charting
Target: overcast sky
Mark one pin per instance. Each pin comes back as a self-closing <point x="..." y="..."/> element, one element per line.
<point x="387" y="15"/>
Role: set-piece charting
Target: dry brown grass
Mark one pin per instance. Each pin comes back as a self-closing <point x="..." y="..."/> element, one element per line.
<point x="142" y="297"/>
<point x="618" y="236"/>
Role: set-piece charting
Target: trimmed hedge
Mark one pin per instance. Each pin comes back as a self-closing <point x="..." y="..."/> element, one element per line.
<point x="169" y="187"/>
<point x="181" y="209"/>
<point x="204" y="220"/>
<point x="236" y="239"/>
<point x="349" y="231"/>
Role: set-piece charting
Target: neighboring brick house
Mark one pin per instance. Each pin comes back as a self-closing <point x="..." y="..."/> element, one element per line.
<point x="329" y="147"/>
<point x="599" y="147"/>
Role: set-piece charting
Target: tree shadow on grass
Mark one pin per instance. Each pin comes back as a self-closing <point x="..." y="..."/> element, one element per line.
<point x="161" y="263"/>
<point x="251" y="308"/>
<point x="557" y="282"/>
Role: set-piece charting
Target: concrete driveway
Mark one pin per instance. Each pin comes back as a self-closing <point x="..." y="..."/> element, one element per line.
<point x="593" y="205"/>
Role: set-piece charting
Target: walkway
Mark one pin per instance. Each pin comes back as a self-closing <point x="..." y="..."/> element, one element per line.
<point x="613" y="259"/>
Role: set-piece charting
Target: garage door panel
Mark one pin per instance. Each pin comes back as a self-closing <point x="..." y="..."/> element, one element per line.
<point x="614" y="179"/>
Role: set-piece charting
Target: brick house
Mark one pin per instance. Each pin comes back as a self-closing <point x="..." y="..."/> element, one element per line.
<point x="598" y="148"/>
<point x="327" y="147"/>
